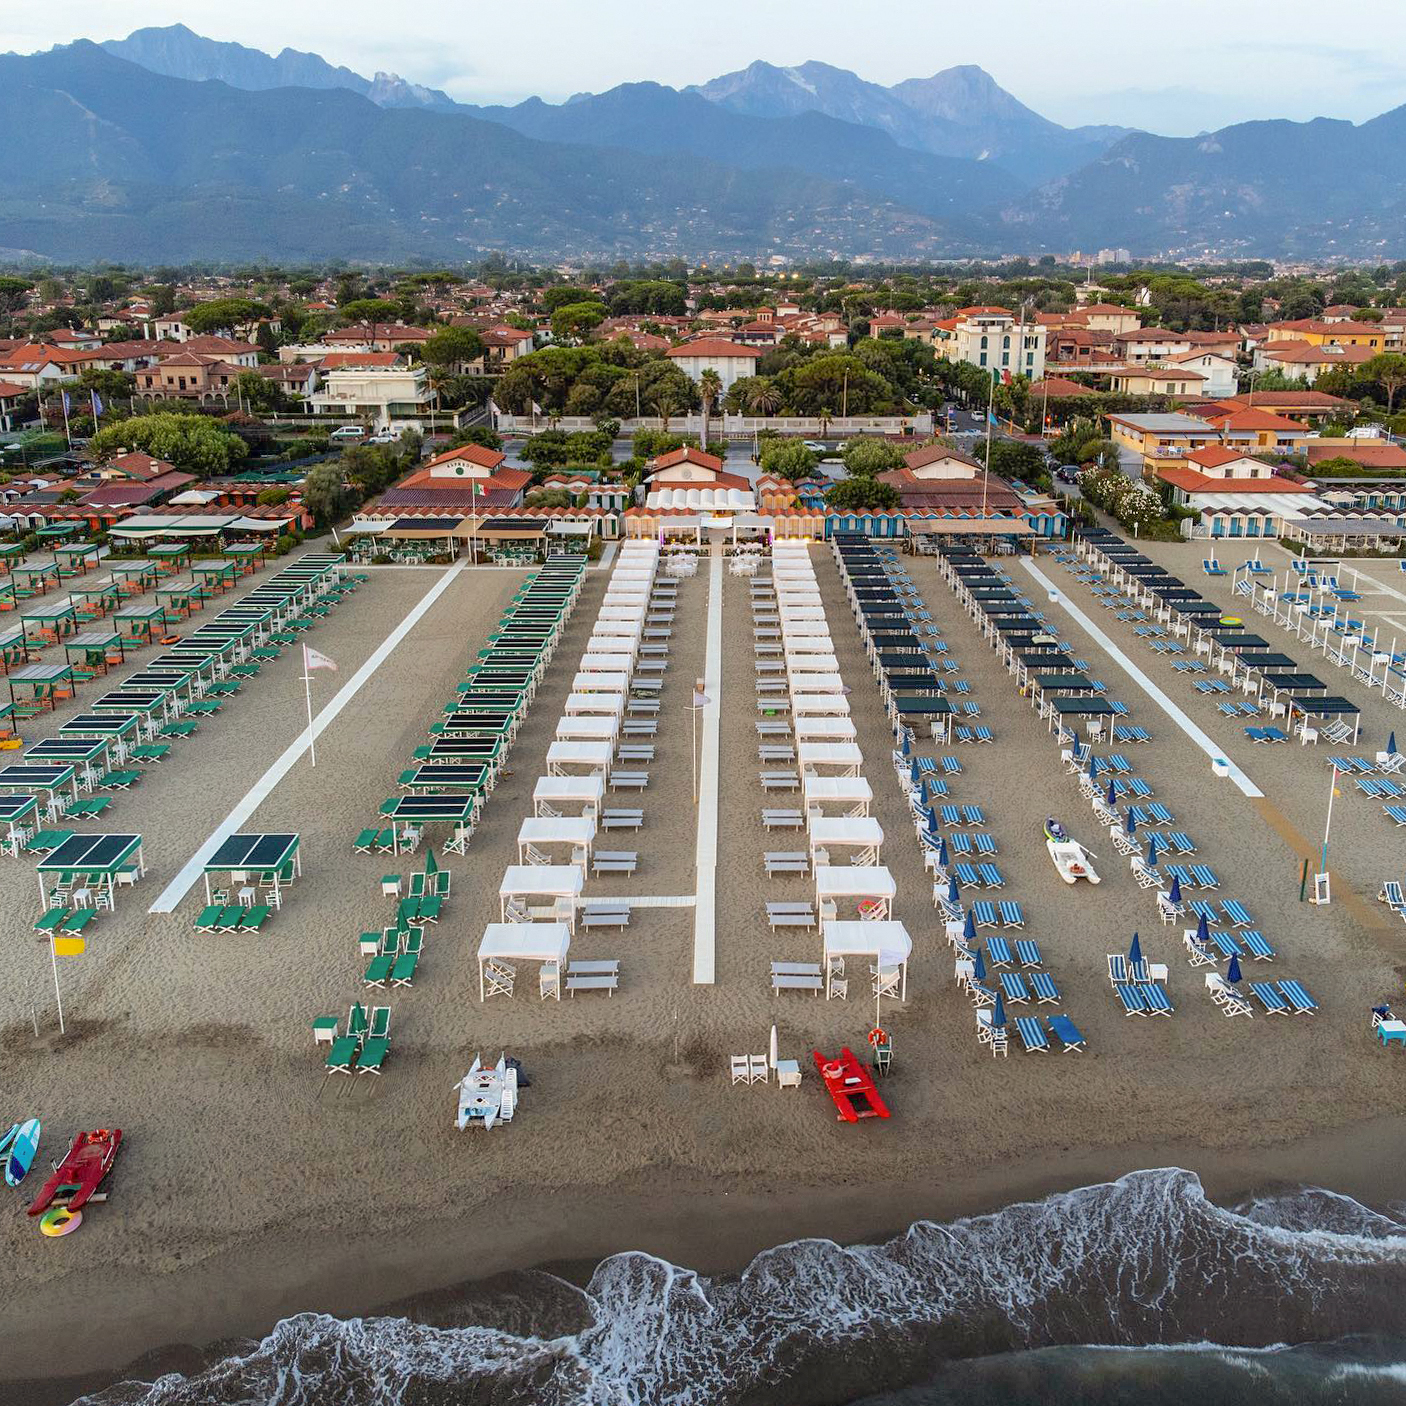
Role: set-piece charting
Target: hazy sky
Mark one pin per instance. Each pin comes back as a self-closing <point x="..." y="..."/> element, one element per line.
<point x="1172" y="66"/>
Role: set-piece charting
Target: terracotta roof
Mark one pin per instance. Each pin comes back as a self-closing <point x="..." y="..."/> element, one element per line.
<point x="1328" y="329"/>
<point x="1256" y="419"/>
<point x="121" y="495"/>
<point x="338" y="361"/>
<point x="1056" y="386"/>
<point x="217" y="346"/>
<point x="8" y="390"/>
<point x="1319" y="400"/>
<point x="977" y="311"/>
<point x="935" y="453"/>
<point x="1191" y="481"/>
<point x="715" y="346"/>
<point x="141" y="466"/>
<point x="1370" y="456"/>
<point x="471" y="453"/>
<point x="459" y="496"/>
<point x="687" y="454"/>
<point x="1306" y="353"/>
<point x="1215" y="456"/>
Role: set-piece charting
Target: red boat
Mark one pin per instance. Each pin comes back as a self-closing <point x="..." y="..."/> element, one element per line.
<point x="81" y="1172"/>
<point x="851" y="1086"/>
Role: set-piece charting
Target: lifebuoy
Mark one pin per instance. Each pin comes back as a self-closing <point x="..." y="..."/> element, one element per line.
<point x="878" y="1036"/>
<point x="833" y="1069"/>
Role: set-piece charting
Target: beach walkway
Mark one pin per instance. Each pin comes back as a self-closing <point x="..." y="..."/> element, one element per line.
<point x="171" y="896"/>
<point x="706" y="853"/>
<point x="1167" y="704"/>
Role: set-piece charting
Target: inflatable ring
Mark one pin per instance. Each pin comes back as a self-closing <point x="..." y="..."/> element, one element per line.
<point x="59" y="1220"/>
<point x="878" y="1036"/>
<point x="833" y="1069"/>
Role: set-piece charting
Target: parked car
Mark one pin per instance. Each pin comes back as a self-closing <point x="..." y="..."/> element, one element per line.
<point x="385" y="437"/>
<point x="815" y="446"/>
<point x="1067" y="473"/>
<point x="346" y="432"/>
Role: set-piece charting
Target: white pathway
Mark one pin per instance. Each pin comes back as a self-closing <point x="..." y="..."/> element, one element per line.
<point x="1168" y="705"/>
<point x="177" y="889"/>
<point x="706" y="857"/>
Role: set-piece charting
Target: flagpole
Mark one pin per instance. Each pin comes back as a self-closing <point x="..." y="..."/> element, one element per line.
<point x="67" y="433"/>
<point x="307" y="689"/>
<point x="58" y="997"/>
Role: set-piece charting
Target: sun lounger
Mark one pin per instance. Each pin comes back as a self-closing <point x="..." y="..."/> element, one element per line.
<point x="782" y="819"/>
<point x="1067" y="1033"/>
<point x="342" y="1054"/>
<point x="1181" y="841"/>
<point x="1012" y="916"/>
<point x="379" y="971"/>
<point x="372" y="1057"/>
<point x="1396" y="813"/>
<point x="1236" y="914"/>
<point x="983" y="843"/>
<point x="998" y="950"/>
<point x="1013" y="988"/>
<point x="1391" y="894"/>
<point x="209" y="919"/>
<point x="786" y="862"/>
<point x="403" y="969"/>
<point x="1028" y="950"/>
<point x="380" y="1026"/>
<point x="1044" y="987"/>
<point x="364" y="841"/>
<point x="1268" y="996"/>
<point x="51" y="920"/>
<point x="780" y="781"/>
<point x="151" y="752"/>
<point x="984" y="914"/>
<point x="1298" y="998"/>
<point x="790" y="915"/>
<point x="951" y="766"/>
<point x="1132" y="999"/>
<point x="629" y="780"/>
<point x="1032" y="1035"/>
<point x="253" y="919"/>
<point x="990" y="876"/>
<point x="1154" y="998"/>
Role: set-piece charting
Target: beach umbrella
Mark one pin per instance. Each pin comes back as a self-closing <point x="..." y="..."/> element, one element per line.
<point x="1232" y="972"/>
<point x="1130" y="825"/>
<point x="979" y="966"/>
<point x="1135" y="951"/>
<point x="942" y="851"/>
<point x="914" y="775"/>
<point x="954" y="894"/>
<point x="1092" y="769"/>
<point x="907" y="742"/>
<point x="998" y="1014"/>
<point x="1112" y="791"/>
<point x="1203" y="930"/>
<point x="1391" y="742"/>
<point x="969" y="930"/>
<point x="1152" y="851"/>
<point x="430" y="866"/>
<point x="771" y="1048"/>
<point x="1174" y="893"/>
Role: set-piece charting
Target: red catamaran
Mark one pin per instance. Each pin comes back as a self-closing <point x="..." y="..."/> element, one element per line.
<point x="81" y="1172"/>
<point x="851" y="1086"/>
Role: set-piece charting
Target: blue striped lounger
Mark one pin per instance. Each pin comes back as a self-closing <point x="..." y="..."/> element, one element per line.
<point x="1011" y="914"/>
<point x="1032" y="1035"/>
<point x="985" y="844"/>
<point x="1235" y="912"/>
<point x="990" y="876"/>
<point x="1258" y="946"/>
<point x="1028" y="950"/>
<point x="999" y="951"/>
<point x="1154" y="998"/>
<point x="984" y="913"/>
<point x="1044" y="986"/>
<point x="1298" y="998"/>
<point x="1014" y="989"/>
<point x="1131" y="997"/>
<point x="1268" y="995"/>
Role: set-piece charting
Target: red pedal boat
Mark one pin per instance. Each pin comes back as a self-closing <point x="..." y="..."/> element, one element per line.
<point x="81" y="1172"/>
<point x="851" y="1086"/>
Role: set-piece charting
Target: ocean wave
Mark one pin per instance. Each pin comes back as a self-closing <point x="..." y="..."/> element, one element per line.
<point x="1143" y="1260"/>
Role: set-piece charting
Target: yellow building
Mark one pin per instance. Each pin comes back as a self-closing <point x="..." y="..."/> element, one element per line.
<point x="1326" y="334"/>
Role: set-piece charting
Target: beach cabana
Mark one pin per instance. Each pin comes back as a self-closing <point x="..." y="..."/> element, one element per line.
<point x="457" y="809"/>
<point x="866" y="889"/>
<point x="862" y="837"/>
<point x="596" y="682"/>
<point x="830" y="758"/>
<point x="75" y="558"/>
<point x="57" y="783"/>
<point x="94" y="651"/>
<point x="120" y="729"/>
<point x="94" y="600"/>
<point x="504" y="944"/>
<point x="587" y="728"/>
<point x="170" y="557"/>
<point x="133" y="577"/>
<point x="140" y="623"/>
<point x="86" y="753"/>
<point x="33" y="579"/>
<point x="40" y="688"/>
<point x="11" y="553"/>
<point x="540" y="840"/>
<point x="575" y="758"/>
<point x="566" y="795"/>
<point x="884" y="943"/>
<point x="245" y="860"/>
<point x="87" y="869"/>
<point x="605" y="705"/>
<point x="47" y="624"/>
<point x="843" y="795"/>
<point x="14" y="811"/>
<point x="559" y="884"/>
<point x="825" y="730"/>
<point x="14" y="648"/>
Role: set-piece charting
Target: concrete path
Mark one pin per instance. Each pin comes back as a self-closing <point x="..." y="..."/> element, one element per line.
<point x="171" y="896"/>
<point x="1168" y="705"/>
<point x="706" y="856"/>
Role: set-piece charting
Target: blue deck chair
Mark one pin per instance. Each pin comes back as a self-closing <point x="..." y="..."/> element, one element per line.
<point x="1139" y="787"/>
<point x="1258" y="945"/>
<point x="951" y="766"/>
<point x="1160" y="813"/>
<point x="985" y="844"/>
<point x="972" y="815"/>
<point x="1236" y="914"/>
<point x="999" y="951"/>
<point x="1180" y="873"/>
<point x="1203" y="908"/>
<point x="926" y="766"/>
<point x="990" y="876"/>
<point x="1205" y="876"/>
<point x="1120" y="763"/>
<point x="1045" y="988"/>
<point x="966" y="874"/>
<point x="951" y="815"/>
<point x="1119" y="710"/>
<point x="936" y="786"/>
<point x="984" y="913"/>
<point x="1139" y="814"/>
<point x="1032" y="1035"/>
<point x="1396" y="813"/>
<point x="1067" y="1033"/>
<point x="962" y="686"/>
<point x="1269" y="997"/>
<point x="1131" y="997"/>
<point x="1028" y="950"/>
<point x="1298" y="998"/>
<point x="1154" y="998"/>
<point x="963" y="734"/>
<point x="1014" y="989"/>
<point x="971" y="708"/>
<point x="1228" y="944"/>
<point x="982" y="733"/>
<point x="1182" y="841"/>
<point x="1011" y="915"/>
<point x="1117" y="968"/>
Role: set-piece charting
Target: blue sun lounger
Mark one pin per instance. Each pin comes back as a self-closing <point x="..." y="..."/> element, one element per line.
<point x="1154" y="998"/>
<point x="998" y="950"/>
<point x="1014" y="989"/>
<point x="1067" y="1033"/>
<point x="966" y="874"/>
<point x="973" y="815"/>
<point x="1203" y="909"/>
<point x="1032" y="1035"/>
<point x="1011" y="914"/>
<point x="1205" y="876"/>
<point x="985" y="844"/>
<point x="1235" y="913"/>
<point x="950" y="815"/>
<point x="959" y="843"/>
<point x="1028" y="950"/>
<point x="990" y="876"/>
<point x="1044" y="987"/>
<point x="984" y="913"/>
<point x="1268" y="996"/>
<point x="1131" y="997"/>
<point x="1160" y="813"/>
<point x="1298" y="998"/>
<point x="1259" y="948"/>
<point x="951" y="766"/>
<point x="1182" y="841"/>
<point x="1396" y="813"/>
<point x="1227" y="944"/>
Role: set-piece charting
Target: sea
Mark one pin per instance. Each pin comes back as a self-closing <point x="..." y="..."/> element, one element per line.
<point x="1140" y="1290"/>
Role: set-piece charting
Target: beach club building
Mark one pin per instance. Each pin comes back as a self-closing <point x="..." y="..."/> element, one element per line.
<point x="731" y="360"/>
<point x="1236" y="495"/>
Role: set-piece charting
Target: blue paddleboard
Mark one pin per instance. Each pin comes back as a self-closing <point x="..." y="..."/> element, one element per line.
<point x="8" y="1138"/>
<point x="22" y="1151"/>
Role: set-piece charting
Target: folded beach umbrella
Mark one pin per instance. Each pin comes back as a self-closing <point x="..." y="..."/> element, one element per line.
<point x="1391" y="742"/>
<point x="998" y="1014"/>
<point x="1135" y="951"/>
<point x="979" y="966"/>
<point x="930" y="819"/>
<point x="1112" y="791"/>
<point x="1232" y="972"/>
<point x="906" y="742"/>
<point x="969" y="930"/>
<point x="914" y="775"/>
<point x="771" y="1048"/>
<point x="430" y="866"/>
<point x="1174" y="893"/>
<point x="954" y="894"/>
<point x="1092" y="769"/>
<point x="1130" y="825"/>
<point x="1151" y="851"/>
<point x="942" y="852"/>
<point x="1203" y="930"/>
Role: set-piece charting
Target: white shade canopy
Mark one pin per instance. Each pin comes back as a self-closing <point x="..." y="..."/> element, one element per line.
<point x="843" y="757"/>
<point x="693" y="500"/>
<point x="541" y="881"/>
<point x="587" y="728"/>
<point x="808" y="644"/>
<point x="556" y="830"/>
<point x="885" y="941"/>
<point x="816" y="681"/>
<point x="801" y="610"/>
<point x="578" y="756"/>
<point x="522" y="942"/>
<point x="587" y="682"/>
<point x="557" y="791"/>
<point x="837" y="790"/>
<point x="600" y="663"/>
<point x="859" y="830"/>
<point x="621" y="646"/>
<point x="805" y="629"/>
<point x="825" y="730"/>
<point x="610" y="705"/>
<point x="610" y="629"/>
<point x="799" y="661"/>
<point x="872" y="884"/>
<point x="833" y="705"/>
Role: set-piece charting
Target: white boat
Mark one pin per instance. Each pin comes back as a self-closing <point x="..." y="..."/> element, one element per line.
<point x="1069" y="856"/>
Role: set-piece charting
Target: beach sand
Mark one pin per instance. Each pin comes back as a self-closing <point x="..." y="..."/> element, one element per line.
<point x="250" y="1190"/>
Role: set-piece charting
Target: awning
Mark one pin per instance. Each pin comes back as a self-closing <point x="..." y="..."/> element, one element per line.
<point x="959" y="526"/>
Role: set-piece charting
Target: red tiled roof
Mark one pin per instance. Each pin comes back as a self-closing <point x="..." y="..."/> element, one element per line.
<point x="336" y="361"/>
<point x="1056" y="386"/>
<point x="935" y="453"/>
<point x="688" y="455"/>
<point x="471" y="453"/>
<point x="8" y="390"/>
<point x="715" y="346"/>
<point x="1370" y="456"/>
<point x="1191" y="481"/>
<point x="459" y="496"/>
<point x="1301" y="353"/>
<point x="1255" y="419"/>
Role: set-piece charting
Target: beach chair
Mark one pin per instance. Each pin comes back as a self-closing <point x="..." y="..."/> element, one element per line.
<point x="1013" y="988"/>
<point x="984" y="914"/>
<point x="983" y="843"/>
<point x="1132" y="999"/>
<point x="364" y="841"/>
<point x="1298" y="998"/>
<point x="1067" y="1033"/>
<point x="990" y="876"/>
<point x="372" y="1057"/>
<point x="1028" y="950"/>
<point x="959" y="843"/>
<point x="1396" y="813"/>
<point x="1202" y="908"/>
<point x="1032" y="1035"/>
<point x="1391" y="894"/>
<point x="209" y="918"/>
<point x="1154" y="998"/>
<point x="1268" y="996"/>
<point x="782" y="819"/>
<point x="402" y="971"/>
<point x="740" y="1067"/>
<point x="1204" y="876"/>
<point x="253" y="919"/>
<point x="1257" y="945"/>
<point x="342" y="1054"/>
<point x="1044" y="987"/>
<point x="786" y="862"/>
<point x="999" y="952"/>
<point x="951" y="766"/>
<point x="1236" y="913"/>
<point x="1011" y="914"/>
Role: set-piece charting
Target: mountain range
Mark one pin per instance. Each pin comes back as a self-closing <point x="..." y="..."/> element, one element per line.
<point x="166" y="146"/>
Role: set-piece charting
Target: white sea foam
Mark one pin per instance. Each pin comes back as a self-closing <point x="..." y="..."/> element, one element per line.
<point x="1146" y="1259"/>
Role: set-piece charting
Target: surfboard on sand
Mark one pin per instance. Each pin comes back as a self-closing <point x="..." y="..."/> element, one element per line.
<point x="8" y="1138"/>
<point x="22" y="1151"/>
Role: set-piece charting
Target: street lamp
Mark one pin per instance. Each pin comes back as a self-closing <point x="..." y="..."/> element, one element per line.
<point x="700" y="701"/>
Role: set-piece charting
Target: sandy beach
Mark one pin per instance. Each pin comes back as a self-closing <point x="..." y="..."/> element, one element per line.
<point x="250" y="1190"/>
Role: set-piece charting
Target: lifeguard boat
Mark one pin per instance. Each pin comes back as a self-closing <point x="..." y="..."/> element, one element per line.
<point x="851" y="1085"/>
<point x="1070" y="858"/>
<point x="81" y="1172"/>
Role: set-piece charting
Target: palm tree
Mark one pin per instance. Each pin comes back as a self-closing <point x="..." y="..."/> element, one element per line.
<point x="825" y="416"/>
<point x="710" y="387"/>
<point x="765" y="398"/>
<point x="666" y="403"/>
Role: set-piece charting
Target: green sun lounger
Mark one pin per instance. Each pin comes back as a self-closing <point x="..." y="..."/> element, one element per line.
<point x="373" y="1056"/>
<point x="88" y="807"/>
<point x="380" y="1028"/>
<point x="46" y="841"/>
<point x="209" y="919"/>
<point x="78" y="920"/>
<point x="253" y="919"/>
<point x="403" y="971"/>
<point x="364" y="841"/>
<point x="264" y="653"/>
<point x="185" y="729"/>
<point x="151" y="752"/>
<point x="203" y="707"/>
<point x="119" y="780"/>
<point x="379" y="971"/>
<point x="51" y="921"/>
<point x="342" y="1053"/>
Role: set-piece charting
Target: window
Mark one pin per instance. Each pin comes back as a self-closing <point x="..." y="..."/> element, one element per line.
<point x="1005" y="358"/>
<point x="1005" y="341"/>
<point x="983" y="355"/>
<point x="984" y="342"/>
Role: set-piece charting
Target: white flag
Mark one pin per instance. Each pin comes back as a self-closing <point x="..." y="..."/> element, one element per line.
<point x="316" y="659"/>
